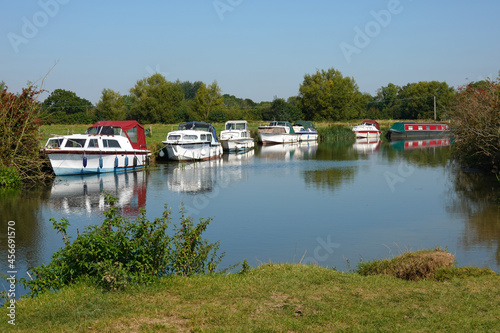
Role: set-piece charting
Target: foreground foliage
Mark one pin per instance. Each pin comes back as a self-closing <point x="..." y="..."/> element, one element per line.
<point x="269" y="298"/>
<point x="19" y="138"/>
<point x="120" y="252"/>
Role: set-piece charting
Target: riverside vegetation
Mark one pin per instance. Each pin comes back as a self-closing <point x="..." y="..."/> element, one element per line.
<point x="136" y="276"/>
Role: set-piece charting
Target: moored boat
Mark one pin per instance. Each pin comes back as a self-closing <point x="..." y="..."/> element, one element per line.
<point x="305" y="130"/>
<point x="277" y="132"/>
<point x="401" y="130"/>
<point x="236" y="136"/>
<point x="106" y="146"/>
<point x="367" y="129"/>
<point x="192" y="141"/>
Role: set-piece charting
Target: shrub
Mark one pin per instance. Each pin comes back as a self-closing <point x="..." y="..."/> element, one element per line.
<point x="120" y="252"/>
<point x="9" y="176"/>
<point x="410" y="265"/>
<point x="476" y="124"/>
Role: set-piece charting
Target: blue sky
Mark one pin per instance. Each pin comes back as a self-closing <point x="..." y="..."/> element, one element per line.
<point x="254" y="49"/>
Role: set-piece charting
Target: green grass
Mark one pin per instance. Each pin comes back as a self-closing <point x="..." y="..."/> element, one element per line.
<point x="270" y="298"/>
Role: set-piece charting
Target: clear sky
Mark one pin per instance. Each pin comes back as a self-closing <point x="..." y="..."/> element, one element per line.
<point x="254" y="49"/>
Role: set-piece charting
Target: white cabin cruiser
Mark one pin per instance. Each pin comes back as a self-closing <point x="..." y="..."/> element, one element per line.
<point x="192" y="141"/>
<point x="277" y="132"/>
<point x="367" y="129"/>
<point x="236" y="136"/>
<point x="305" y="130"/>
<point x="106" y="146"/>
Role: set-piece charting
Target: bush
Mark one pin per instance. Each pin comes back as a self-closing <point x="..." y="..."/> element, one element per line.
<point x="410" y="265"/>
<point x="476" y="124"/>
<point x="119" y="252"/>
<point x="9" y="177"/>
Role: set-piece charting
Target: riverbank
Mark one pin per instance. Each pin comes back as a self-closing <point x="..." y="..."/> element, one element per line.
<point x="269" y="298"/>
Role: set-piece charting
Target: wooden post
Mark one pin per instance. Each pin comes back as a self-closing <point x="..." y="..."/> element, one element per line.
<point x="434" y="107"/>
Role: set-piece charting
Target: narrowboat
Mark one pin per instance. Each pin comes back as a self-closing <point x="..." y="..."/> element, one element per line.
<point x="402" y="130"/>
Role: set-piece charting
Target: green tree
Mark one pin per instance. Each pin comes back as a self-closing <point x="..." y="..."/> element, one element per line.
<point x="2" y="86"/>
<point x="417" y="100"/>
<point x="387" y="101"/>
<point x="327" y="95"/>
<point x="65" y="101"/>
<point x="207" y="100"/>
<point x="190" y="88"/>
<point x="111" y="106"/>
<point x="154" y="100"/>
<point x="282" y="110"/>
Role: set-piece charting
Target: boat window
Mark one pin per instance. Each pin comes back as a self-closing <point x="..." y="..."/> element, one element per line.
<point x="75" y="143"/>
<point x="174" y="137"/>
<point x="132" y="134"/>
<point x="420" y="128"/>
<point x="428" y="128"/>
<point x="54" y="143"/>
<point x="209" y="137"/>
<point x="92" y="130"/>
<point x="203" y="137"/>
<point x="410" y="128"/>
<point x="229" y="126"/>
<point x="190" y="137"/>
<point x="93" y="143"/>
<point x="110" y="144"/>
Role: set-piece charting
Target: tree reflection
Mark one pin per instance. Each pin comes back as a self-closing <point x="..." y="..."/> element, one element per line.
<point x="475" y="195"/>
<point x="22" y="207"/>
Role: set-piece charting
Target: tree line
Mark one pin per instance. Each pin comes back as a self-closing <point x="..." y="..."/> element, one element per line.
<point x="326" y="95"/>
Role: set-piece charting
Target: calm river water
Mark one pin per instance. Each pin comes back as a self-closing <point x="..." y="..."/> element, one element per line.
<point x="331" y="204"/>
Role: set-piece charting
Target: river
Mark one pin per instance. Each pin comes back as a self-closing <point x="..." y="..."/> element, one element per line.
<point x="330" y="204"/>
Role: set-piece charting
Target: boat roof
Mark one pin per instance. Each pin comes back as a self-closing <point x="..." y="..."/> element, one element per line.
<point x="304" y="123"/>
<point x="198" y="126"/>
<point x="283" y="123"/>
<point x="131" y="129"/>
<point x="372" y="122"/>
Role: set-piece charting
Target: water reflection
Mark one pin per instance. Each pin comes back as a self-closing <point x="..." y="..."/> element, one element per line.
<point x="289" y="151"/>
<point x="367" y="145"/>
<point x="422" y="143"/>
<point x="474" y="195"/>
<point x="85" y="193"/>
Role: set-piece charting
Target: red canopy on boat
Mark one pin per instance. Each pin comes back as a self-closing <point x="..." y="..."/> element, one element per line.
<point x="372" y="122"/>
<point x="131" y="128"/>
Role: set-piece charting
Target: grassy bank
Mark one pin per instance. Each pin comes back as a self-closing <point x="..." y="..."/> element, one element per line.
<point x="270" y="298"/>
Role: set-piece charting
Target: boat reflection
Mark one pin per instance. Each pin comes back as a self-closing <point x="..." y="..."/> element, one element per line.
<point x="204" y="176"/>
<point x="288" y="151"/>
<point x="367" y="145"/>
<point x="85" y="193"/>
<point x="423" y="143"/>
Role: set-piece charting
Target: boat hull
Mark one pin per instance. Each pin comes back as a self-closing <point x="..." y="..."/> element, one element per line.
<point x="237" y="144"/>
<point x="270" y="138"/>
<point x="367" y="134"/>
<point x="307" y="136"/>
<point x="201" y="151"/>
<point x="78" y="163"/>
<point x="400" y="131"/>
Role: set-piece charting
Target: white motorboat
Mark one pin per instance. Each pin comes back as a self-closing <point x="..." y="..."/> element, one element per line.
<point x="305" y="130"/>
<point x="106" y="146"/>
<point x="236" y="136"/>
<point x="367" y="129"/>
<point x="192" y="141"/>
<point x="277" y="132"/>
